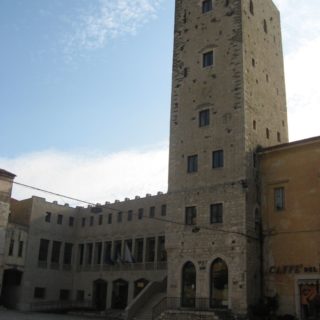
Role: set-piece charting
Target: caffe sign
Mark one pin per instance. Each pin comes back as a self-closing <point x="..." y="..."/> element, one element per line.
<point x="294" y="269"/>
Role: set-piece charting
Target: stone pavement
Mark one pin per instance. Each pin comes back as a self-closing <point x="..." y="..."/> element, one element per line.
<point x="14" y="315"/>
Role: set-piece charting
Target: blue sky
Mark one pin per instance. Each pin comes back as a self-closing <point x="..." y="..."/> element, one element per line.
<point x="86" y="87"/>
<point x="66" y="85"/>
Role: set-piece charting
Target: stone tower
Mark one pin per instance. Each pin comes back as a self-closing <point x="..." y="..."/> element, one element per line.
<point x="228" y="98"/>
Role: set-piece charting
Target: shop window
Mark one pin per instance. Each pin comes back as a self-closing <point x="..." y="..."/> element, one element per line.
<point x="219" y="284"/>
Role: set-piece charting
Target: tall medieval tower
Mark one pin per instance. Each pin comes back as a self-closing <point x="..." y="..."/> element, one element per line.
<point x="228" y="98"/>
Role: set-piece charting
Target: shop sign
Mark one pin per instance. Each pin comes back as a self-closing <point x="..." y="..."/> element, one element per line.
<point x="293" y="269"/>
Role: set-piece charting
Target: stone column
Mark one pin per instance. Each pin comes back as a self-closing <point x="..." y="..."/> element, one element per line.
<point x="6" y="181"/>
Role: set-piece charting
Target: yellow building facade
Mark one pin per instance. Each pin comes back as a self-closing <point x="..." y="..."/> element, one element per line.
<point x="290" y="206"/>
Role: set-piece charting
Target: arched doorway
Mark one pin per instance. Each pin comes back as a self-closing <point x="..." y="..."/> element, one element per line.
<point x="219" y="284"/>
<point x="119" y="294"/>
<point x="100" y="294"/>
<point x="139" y="285"/>
<point x="188" y="297"/>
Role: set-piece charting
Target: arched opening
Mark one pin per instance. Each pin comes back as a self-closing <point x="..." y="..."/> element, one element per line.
<point x="139" y="285"/>
<point x="219" y="284"/>
<point x="119" y="294"/>
<point x="189" y="277"/>
<point x="100" y="294"/>
<point x="11" y="287"/>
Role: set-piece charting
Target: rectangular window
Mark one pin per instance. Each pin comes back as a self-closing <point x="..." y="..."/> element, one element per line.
<point x="206" y="6"/>
<point x="43" y="250"/>
<point x="80" y="295"/>
<point x="117" y="251"/>
<point x="140" y="214"/>
<point x="91" y="221"/>
<point x="100" y="220"/>
<point x="64" y="295"/>
<point x="207" y="59"/>
<point x="150" y="249"/>
<point x="20" y="251"/>
<point x="71" y="221"/>
<point x="11" y="247"/>
<point x="47" y="218"/>
<point x="119" y="219"/>
<point x="163" y="210"/>
<point x="107" y="259"/>
<point x="89" y="253"/>
<point x="81" y="254"/>
<point x="130" y="215"/>
<point x="83" y="223"/>
<point x="216" y="213"/>
<point x="55" y="254"/>
<point x="109" y="218"/>
<point x="162" y="254"/>
<point x="279" y="199"/>
<point x="192" y="164"/>
<point x="204" y="118"/>
<point x="39" y="293"/>
<point x="217" y="159"/>
<point x="191" y="215"/>
<point x="139" y="250"/>
<point x="97" y="253"/>
<point x="59" y="219"/>
<point x="67" y="254"/>
<point x="152" y="212"/>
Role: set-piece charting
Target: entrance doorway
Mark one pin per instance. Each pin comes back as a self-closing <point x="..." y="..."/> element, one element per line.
<point x="100" y="294"/>
<point x="11" y="287"/>
<point x="188" y="298"/>
<point x="119" y="294"/>
<point x="309" y="299"/>
<point x="219" y="284"/>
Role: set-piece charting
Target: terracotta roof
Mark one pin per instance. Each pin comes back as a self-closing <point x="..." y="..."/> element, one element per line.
<point x="6" y="174"/>
<point x="290" y="144"/>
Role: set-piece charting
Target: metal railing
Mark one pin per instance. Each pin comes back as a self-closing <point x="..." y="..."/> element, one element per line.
<point x="151" y="266"/>
<point x="186" y="304"/>
<point x="50" y="306"/>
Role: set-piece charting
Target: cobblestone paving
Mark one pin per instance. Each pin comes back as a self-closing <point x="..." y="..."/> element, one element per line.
<point x="13" y="315"/>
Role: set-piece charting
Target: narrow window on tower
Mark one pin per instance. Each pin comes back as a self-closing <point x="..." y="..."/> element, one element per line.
<point x="265" y="26"/>
<point x="251" y="7"/>
<point x="217" y="159"/>
<point x="267" y="133"/>
<point x="279" y="200"/>
<point x="208" y="59"/>
<point x="191" y="215"/>
<point x="206" y="6"/>
<point x="279" y="136"/>
<point x="192" y="164"/>
<point x="216" y="213"/>
<point x="204" y="118"/>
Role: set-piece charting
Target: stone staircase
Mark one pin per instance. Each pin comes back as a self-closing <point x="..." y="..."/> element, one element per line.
<point x="146" y="312"/>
